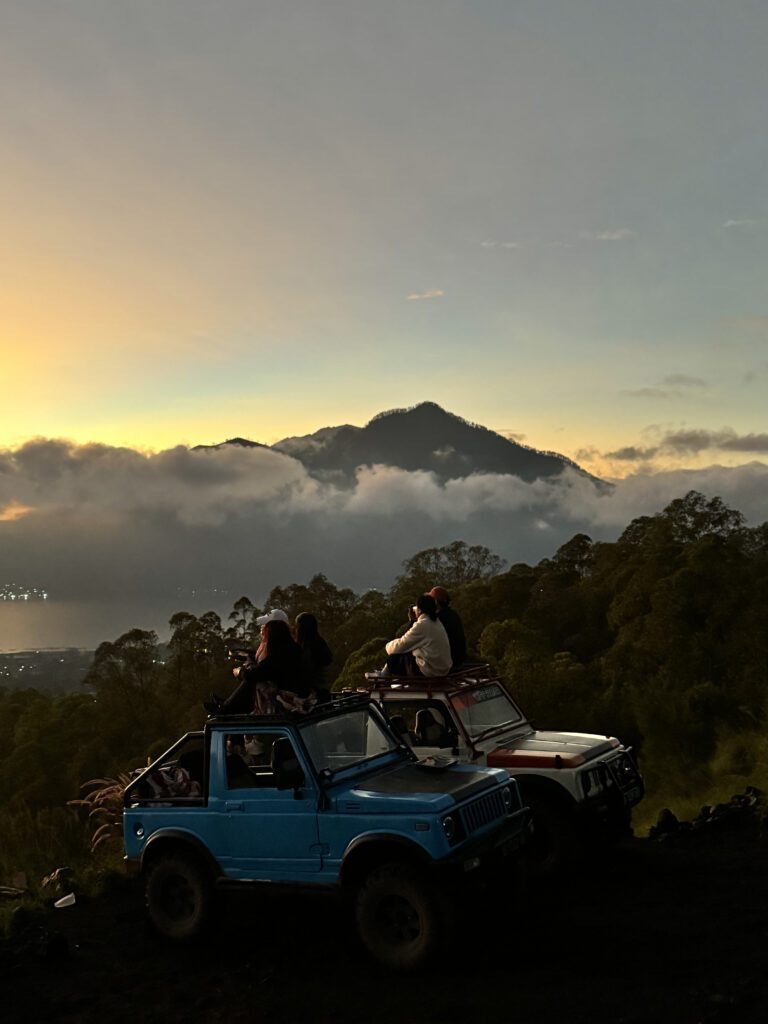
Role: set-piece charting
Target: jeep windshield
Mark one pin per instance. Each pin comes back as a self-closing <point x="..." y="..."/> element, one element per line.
<point x="485" y="709"/>
<point x="347" y="740"/>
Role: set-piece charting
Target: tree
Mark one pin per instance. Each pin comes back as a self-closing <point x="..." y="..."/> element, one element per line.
<point x="127" y="668"/>
<point x="575" y="556"/>
<point x="515" y="649"/>
<point x="242" y="618"/>
<point x="483" y="601"/>
<point x="330" y="604"/>
<point x="449" y="566"/>
<point x="684" y="520"/>
<point x="372" y="615"/>
<point x="692" y="516"/>
<point x="368" y="658"/>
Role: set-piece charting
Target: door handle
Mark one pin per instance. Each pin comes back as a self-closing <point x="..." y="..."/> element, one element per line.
<point x="233" y="805"/>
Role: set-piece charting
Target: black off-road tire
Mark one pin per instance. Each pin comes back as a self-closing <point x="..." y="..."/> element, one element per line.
<point x="554" y="841"/>
<point x="612" y="832"/>
<point x="401" y="918"/>
<point x="178" y="895"/>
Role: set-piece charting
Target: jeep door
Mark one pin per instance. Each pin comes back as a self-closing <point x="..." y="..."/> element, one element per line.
<point x="271" y="833"/>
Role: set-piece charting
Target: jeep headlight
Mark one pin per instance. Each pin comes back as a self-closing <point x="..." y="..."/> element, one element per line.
<point x="506" y="796"/>
<point x="449" y="827"/>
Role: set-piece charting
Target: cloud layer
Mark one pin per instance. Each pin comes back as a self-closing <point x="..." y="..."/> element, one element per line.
<point x="431" y="293"/>
<point x="95" y="522"/>
<point x="692" y="441"/>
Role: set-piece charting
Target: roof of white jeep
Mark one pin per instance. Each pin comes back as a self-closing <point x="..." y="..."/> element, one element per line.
<point x="469" y="675"/>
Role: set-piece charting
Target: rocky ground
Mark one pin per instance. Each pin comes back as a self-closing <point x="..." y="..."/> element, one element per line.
<point x="670" y="929"/>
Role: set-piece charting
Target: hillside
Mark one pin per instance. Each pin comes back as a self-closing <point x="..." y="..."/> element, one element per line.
<point x="660" y="933"/>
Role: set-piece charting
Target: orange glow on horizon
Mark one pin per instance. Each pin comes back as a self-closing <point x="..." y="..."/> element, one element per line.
<point x="14" y="511"/>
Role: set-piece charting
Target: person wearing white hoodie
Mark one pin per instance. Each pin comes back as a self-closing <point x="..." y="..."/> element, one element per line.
<point x="424" y="650"/>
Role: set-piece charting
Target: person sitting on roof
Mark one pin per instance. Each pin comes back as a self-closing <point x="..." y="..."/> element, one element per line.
<point x="424" y="649"/>
<point x="315" y="653"/>
<point x="453" y="626"/>
<point x="275" y="615"/>
<point x="280" y="668"/>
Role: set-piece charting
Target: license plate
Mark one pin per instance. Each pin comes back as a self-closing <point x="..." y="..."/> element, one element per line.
<point x="510" y="845"/>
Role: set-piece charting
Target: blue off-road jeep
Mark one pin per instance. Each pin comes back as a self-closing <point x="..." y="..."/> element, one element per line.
<point x="331" y="800"/>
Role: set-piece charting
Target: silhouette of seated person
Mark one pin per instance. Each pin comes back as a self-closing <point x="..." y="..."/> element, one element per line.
<point x="315" y="653"/>
<point x="255" y="752"/>
<point x="239" y="775"/>
<point x="430" y="732"/>
<point x="284" y="762"/>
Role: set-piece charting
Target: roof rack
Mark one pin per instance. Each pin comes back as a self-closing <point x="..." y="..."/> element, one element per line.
<point x="467" y="675"/>
<point x="338" y="702"/>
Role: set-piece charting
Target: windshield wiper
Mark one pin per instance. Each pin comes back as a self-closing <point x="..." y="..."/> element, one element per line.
<point x="491" y="730"/>
<point x="356" y="765"/>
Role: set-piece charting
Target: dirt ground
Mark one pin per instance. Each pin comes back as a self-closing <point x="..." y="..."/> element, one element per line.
<point x="672" y="931"/>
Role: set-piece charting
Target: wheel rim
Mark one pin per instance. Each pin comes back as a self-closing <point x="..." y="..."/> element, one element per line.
<point x="398" y="921"/>
<point x="177" y="898"/>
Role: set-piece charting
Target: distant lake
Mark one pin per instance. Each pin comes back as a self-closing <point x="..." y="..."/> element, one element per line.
<point x="36" y="624"/>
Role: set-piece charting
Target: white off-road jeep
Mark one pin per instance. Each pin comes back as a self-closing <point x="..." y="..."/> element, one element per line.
<point x="579" y="787"/>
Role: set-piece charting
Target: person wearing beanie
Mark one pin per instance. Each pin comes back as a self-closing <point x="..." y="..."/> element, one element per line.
<point x="453" y="626"/>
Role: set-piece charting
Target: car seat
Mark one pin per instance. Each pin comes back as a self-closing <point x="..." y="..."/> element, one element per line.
<point x="400" y="726"/>
<point x="429" y="731"/>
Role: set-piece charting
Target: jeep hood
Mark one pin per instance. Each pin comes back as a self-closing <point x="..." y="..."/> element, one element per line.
<point x="413" y="788"/>
<point x="544" y="749"/>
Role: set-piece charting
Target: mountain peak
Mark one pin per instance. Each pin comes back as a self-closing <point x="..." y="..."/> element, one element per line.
<point x="236" y="442"/>
<point x="421" y="437"/>
<point x="423" y="409"/>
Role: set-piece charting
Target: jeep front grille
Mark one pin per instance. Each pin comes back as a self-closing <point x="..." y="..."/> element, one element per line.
<point x="483" y="811"/>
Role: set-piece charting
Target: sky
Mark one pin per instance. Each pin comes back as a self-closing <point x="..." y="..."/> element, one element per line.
<point x="258" y="219"/>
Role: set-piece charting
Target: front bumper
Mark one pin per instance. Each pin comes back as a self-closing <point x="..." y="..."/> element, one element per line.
<point x="617" y="786"/>
<point x="489" y="851"/>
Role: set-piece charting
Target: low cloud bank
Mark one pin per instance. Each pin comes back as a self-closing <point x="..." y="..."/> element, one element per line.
<point x="95" y="521"/>
<point x="693" y="442"/>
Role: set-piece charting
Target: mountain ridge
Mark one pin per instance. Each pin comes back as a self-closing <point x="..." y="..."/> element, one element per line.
<point x="421" y="437"/>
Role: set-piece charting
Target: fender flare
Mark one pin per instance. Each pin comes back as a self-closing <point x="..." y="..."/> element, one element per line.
<point x="357" y="849"/>
<point x="179" y="839"/>
<point x="533" y="786"/>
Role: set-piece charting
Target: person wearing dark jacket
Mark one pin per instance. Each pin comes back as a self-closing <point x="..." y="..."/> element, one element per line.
<point x="281" y="668"/>
<point x="315" y="652"/>
<point x="453" y="626"/>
